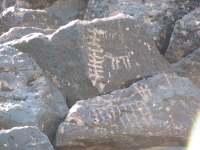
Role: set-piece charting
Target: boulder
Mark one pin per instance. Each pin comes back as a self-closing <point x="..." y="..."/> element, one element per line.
<point x="18" y="32"/>
<point x="28" y="4"/>
<point x="27" y="96"/>
<point x="68" y="10"/>
<point x="86" y="59"/>
<point x="185" y="38"/>
<point x="58" y="14"/>
<point x="24" y="138"/>
<point x="34" y="4"/>
<point x="189" y="67"/>
<point x="14" y="17"/>
<point x="157" y="16"/>
<point x="154" y="112"/>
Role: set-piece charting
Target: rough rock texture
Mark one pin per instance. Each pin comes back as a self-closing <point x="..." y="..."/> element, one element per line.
<point x="19" y="32"/>
<point x="185" y="38"/>
<point x="13" y="17"/>
<point x="86" y="59"/>
<point x="58" y="14"/>
<point x="157" y="16"/>
<point x="27" y="97"/>
<point x="189" y="67"/>
<point x="154" y="112"/>
<point x="28" y="4"/>
<point x="24" y="138"/>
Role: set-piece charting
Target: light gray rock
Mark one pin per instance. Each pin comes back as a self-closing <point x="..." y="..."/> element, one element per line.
<point x="27" y="97"/>
<point x="189" y="67"/>
<point x="14" y="17"/>
<point x="86" y="59"/>
<point x="157" y="16"/>
<point x="155" y="112"/>
<point x="58" y="14"/>
<point x="24" y="138"/>
<point x="28" y="4"/>
<point x="18" y="32"/>
<point x="185" y="38"/>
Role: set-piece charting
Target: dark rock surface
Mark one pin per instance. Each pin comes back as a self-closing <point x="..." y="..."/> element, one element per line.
<point x="157" y="16"/>
<point x="27" y="96"/>
<point x="59" y="13"/>
<point x="24" y="138"/>
<point x="155" y="112"/>
<point x="97" y="57"/>
<point x="189" y="67"/>
<point x="185" y="38"/>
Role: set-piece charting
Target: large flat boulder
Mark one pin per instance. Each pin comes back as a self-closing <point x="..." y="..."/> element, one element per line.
<point x="155" y="112"/>
<point x="24" y="138"/>
<point x="27" y="96"/>
<point x="189" y="67"/>
<point x="89" y="58"/>
<point x="157" y="16"/>
<point x="185" y="38"/>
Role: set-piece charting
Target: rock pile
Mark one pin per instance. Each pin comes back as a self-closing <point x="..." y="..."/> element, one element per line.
<point x="128" y="70"/>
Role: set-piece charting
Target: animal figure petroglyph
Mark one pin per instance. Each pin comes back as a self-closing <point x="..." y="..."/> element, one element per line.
<point x="117" y="59"/>
<point x="97" y="57"/>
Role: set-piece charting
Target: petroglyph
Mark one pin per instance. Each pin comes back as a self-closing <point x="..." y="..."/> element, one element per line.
<point x="98" y="56"/>
<point x="116" y="60"/>
<point x="104" y="113"/>
<point x="143" y="90"/>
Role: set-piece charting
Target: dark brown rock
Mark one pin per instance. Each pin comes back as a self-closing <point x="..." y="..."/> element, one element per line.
<point x="155" y="112"/>
<point x="185" y="38"/>
<point x="86" y="59"/>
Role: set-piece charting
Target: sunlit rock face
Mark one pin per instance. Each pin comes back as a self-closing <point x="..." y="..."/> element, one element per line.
<point x="185" y="38"/>
<point x="24" y="138"/>
<point x="27" y="96"/>
<point x="86" y="59"/>
<point x="18" y="32"/>
<point x="157" y="16"/>
<point x="155" y="112"/>
<point x="59" y="13"/>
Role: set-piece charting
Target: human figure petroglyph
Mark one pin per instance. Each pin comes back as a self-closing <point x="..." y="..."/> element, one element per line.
<point x="143" y="90"/>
